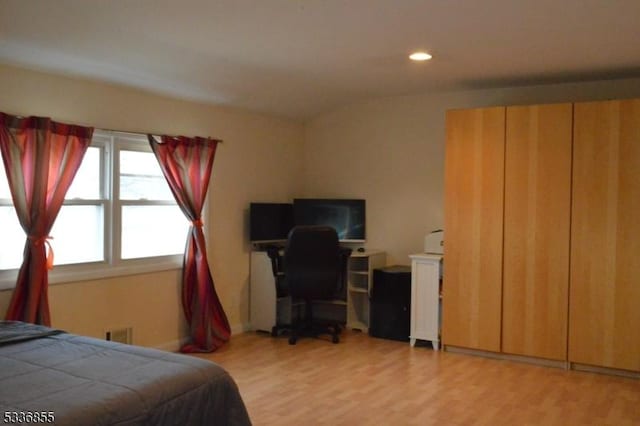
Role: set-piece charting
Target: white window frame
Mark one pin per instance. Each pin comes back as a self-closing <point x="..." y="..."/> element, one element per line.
<point x="110" y="142"/>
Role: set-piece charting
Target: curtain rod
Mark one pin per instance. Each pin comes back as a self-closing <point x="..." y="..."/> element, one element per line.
<point x="147" y="133"/>
<point x="113" y="130"/>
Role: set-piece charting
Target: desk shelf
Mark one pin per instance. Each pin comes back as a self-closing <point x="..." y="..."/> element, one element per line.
<point x="360" y="275"/>
<point x="338" y="302"/>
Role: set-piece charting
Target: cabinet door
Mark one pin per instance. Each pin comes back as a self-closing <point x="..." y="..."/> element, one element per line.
<point x="474" y="187"/>
<point x="425" y="297"/>
<point x="536" y="230"/>
<point x="604" y="308"/>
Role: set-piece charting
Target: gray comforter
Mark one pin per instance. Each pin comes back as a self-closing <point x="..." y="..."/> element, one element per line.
<point x="77" y="380"/>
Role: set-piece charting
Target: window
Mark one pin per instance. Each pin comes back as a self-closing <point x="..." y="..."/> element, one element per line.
<point x="151" y="222"/>
<point x="119" y="216"/>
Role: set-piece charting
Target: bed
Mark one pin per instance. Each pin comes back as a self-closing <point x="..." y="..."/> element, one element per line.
<point x="49" y="376"/>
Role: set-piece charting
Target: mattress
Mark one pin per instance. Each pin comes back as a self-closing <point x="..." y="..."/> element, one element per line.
<point x="65" y="379"/>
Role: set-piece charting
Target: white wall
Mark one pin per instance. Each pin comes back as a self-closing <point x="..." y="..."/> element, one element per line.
<point x="390" y="151"/>
<point x="256" y="161"/>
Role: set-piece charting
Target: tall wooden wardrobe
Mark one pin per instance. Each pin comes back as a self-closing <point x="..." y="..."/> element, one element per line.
<point x="540" y="202"/>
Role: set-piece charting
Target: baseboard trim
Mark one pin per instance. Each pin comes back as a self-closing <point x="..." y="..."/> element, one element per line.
<point x="172" y="346"/>
<point x="175" y="345"/>
<point x="605" y="370"/>
<point x="240" y="328"/>
<point x="545" y="362"/>
<point x="509" y="357"/>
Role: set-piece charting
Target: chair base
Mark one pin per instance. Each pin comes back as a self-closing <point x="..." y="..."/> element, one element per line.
<point x="305" y="326"/>
<point x="315" y="329"/>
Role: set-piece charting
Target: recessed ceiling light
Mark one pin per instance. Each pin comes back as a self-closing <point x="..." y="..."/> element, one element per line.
<point x="420" y="56"/>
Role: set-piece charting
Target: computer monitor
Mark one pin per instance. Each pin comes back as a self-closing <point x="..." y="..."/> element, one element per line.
<point x="270" y="222"/>
<point x="346" y="216"/>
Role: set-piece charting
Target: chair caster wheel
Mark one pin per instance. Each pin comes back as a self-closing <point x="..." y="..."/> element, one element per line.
<point x="292" y="340"/>
<point x="335" y="339"/>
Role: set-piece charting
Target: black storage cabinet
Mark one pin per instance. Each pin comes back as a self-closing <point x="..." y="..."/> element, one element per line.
<point x="390" y="303"/>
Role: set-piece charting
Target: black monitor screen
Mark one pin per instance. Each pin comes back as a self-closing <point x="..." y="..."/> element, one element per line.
<point x="270" y="221"/>
<point x="347" y="217"/>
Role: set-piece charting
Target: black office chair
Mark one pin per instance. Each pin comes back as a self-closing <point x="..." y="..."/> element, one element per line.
<point x="312" y="261"/>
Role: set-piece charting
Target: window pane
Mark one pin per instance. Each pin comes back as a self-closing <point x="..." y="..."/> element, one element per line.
<point x="141" y="177"/>
<point x="4" y="183"/>
<point x="153" y="231"/>
<point x="78" y="235"/>
<point x="13" y="239"/>
<point x="86" y="183"/>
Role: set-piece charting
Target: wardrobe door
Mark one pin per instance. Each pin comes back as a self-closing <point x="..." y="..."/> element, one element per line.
<point x="536" y="230"/>
<point x="474" y="186"/>
<point x="604" y="319"/>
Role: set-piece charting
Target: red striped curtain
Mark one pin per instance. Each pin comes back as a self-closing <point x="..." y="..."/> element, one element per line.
<point x="187" y="164"/>
<point x="41" y="158"/>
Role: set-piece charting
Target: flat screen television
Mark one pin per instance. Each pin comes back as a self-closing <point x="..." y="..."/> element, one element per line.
<point x="269" y="222"/>
<point x="346" y="216"/>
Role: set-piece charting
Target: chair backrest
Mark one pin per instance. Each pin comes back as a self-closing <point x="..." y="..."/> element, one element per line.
<point x="312" y="262"/>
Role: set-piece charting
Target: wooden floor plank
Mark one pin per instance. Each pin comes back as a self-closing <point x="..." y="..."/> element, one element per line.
<point x="369" y="381"/>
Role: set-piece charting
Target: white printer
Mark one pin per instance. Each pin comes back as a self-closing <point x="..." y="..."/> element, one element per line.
<point x="434" y="242"/>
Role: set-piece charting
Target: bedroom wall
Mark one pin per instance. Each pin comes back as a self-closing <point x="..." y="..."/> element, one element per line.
<point x="258" y="161"/>
<point x="390" y="151"/>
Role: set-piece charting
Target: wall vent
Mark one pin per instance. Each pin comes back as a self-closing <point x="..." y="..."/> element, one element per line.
<point x="120" y="335"/>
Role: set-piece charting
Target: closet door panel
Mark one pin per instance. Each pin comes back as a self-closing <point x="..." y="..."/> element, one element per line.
<point x="474" y="188"/>
<point x="537" y="230"/>
<point x="605" y="236"/>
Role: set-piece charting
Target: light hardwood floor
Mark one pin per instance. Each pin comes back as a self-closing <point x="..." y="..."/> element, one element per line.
<point x="369" y="381"/>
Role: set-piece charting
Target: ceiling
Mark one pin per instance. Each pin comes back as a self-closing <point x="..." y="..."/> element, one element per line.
<point x="299" y="58"/>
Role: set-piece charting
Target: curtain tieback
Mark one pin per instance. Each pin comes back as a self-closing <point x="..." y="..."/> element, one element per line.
<point x="44" y="240"/>
<point x="197" y="223"/>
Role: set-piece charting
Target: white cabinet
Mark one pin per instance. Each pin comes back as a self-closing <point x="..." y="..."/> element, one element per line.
<point x="425" y="298"/>
<point x="359" y="280"/>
